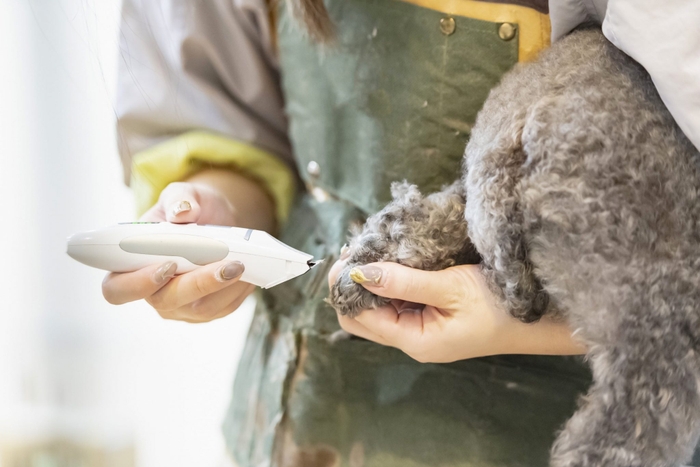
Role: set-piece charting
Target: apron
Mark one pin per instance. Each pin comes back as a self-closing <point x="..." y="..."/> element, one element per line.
<point x="394" y="99"/>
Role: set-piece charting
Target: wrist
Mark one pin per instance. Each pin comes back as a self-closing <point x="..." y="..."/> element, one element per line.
<point x="544" y="337"/>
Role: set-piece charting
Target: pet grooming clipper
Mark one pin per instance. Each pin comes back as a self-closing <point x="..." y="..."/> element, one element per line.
<point x="130" y="246"/>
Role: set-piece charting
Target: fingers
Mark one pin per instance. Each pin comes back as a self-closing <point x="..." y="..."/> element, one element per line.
<point x="187" y="288"/>
<point x="205" y="294"/>
<point x="411" y="331"/>
<point x="442" y="289"/>
<point x="354" y="327"/>
<point x="119" y="288"/>
<point x="213" y="306"/>
<point x="399" y="329"/>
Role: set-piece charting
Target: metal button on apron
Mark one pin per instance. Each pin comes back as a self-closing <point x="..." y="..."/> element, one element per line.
<point x="319" y="194"/>
<point x="506" y="31"/>
<point x="313" y="169"/>
<point x="447" y="26"/>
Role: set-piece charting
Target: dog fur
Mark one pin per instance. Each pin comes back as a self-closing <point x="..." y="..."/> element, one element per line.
<point x="580" y="194"/>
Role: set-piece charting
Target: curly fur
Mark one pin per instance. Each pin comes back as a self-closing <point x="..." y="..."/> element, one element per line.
<point x="433" y="226"/>
<point x="582" y="200"/>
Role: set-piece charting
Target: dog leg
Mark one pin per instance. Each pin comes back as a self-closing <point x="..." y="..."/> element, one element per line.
<point x="644" y="407"/>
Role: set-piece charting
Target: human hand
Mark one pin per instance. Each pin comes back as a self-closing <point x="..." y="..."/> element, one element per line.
<point x="211" y="291"/>
<point x="461" y="317"/>
<point x="184" y="202"/>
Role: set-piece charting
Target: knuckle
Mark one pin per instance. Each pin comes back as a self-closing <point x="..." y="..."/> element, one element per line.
<point x="463" y="287"/>
<point x="201" y="285"/>
<point x="452" y="298"/>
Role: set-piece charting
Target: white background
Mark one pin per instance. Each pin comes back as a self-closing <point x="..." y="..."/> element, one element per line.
<point x="71" y="365"/>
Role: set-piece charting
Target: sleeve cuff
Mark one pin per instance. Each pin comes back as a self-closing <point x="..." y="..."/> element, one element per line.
<point x="178" y="158"/>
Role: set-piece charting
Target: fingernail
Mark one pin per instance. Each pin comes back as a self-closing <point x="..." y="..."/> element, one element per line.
<point x="165" y="272"/>
<point x="367" y="274"/>
<point x="411" y="308"/>
<point x="181" y="206"/>
<point x="230" y="271"/>
<point x="345" y="252"/>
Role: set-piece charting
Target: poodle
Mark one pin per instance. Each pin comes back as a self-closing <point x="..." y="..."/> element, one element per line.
<point x="579" y="198"/>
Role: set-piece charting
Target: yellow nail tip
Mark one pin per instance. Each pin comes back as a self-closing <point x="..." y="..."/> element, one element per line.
<point x="358" y="276"/>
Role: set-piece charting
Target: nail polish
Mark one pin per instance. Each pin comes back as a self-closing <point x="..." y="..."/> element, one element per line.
<point x="181" y="206"/>
<point x="230" y="271"/>
<point x="371" y="275"/>
<point x="165" y="272"/>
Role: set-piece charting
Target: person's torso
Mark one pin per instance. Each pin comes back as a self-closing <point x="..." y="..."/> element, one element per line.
<point x="394" y="98"/>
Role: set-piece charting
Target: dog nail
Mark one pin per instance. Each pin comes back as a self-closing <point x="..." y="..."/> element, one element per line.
<point x="181" y="206"/>
<point x="371" y="275"/>
<point x="230" y="271"/>
<point x="344" y="252"/>
<point x="164" y="273"/>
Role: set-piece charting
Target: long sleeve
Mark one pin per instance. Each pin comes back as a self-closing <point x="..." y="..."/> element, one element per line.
<point x="198" y="78"/>
<point x="662" y="36"/>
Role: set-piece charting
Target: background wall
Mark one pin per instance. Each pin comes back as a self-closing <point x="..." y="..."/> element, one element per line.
<point x="84" y="383"/>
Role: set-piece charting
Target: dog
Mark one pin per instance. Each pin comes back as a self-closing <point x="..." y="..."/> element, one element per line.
<point x="579" y="198"/>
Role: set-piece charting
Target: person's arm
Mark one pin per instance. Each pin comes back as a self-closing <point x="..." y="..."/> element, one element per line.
<point x="461" y="320"/>
<point x="203" y="139"/>
<point x="212" y="196"/>
<point x="198" y="85"/>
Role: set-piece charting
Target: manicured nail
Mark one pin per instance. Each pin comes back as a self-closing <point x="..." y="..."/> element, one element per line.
<point x="371" y="275"/>
<point x="164" y="273"/>
<point x="181" y="206"/>
<point x="345" y="252"/>
<point x="230" y="271"/>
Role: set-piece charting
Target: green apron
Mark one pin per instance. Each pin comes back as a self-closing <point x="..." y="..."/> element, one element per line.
<point x="394" y="99"/>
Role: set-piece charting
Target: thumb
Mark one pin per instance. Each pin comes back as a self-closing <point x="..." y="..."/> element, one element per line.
<point x="437" y="288"/>
<point x="180" y="203"/>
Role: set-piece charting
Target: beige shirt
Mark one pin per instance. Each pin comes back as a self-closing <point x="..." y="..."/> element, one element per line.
<point x="198" y="65"/>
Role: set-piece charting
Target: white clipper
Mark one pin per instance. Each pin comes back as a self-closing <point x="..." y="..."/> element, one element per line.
<point x="130" y="246"/>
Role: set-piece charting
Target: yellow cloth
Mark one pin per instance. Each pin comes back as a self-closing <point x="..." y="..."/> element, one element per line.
<point x="178" y="158"/>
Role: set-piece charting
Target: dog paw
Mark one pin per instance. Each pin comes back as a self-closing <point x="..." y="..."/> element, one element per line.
<point x="350" y="298"/>
<point x="427" y="233"/>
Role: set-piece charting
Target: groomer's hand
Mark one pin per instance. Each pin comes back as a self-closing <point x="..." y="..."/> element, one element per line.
<point x="215" y="196"/>
<point x="460" y="319"/>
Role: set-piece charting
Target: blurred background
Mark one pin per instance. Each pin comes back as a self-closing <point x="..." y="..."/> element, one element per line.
<point x="84" y="383"/>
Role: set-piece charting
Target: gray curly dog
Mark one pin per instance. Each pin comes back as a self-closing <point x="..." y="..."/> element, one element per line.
<point x="580" y="195"/>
